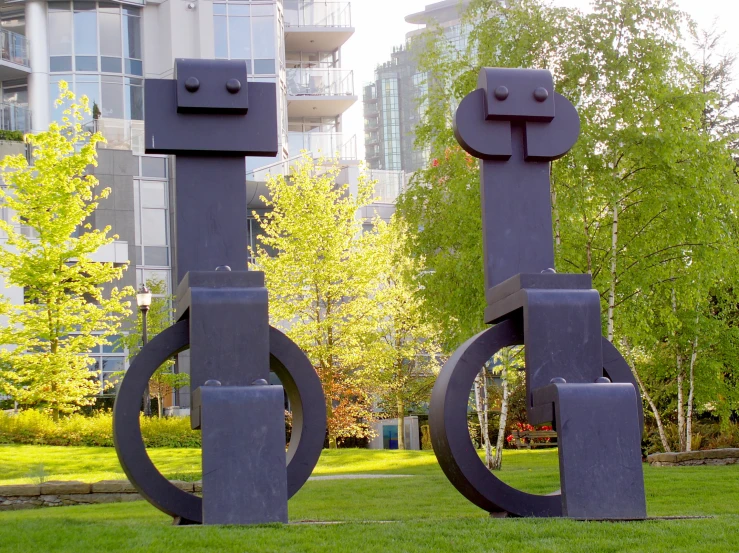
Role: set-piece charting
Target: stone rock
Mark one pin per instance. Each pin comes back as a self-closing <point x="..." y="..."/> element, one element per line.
<point x="113" y="486"/>
<point x="20" y="490"/>
<point x="94" y="498"/>
<point x="60" y="487"/>
<point x="728" y="456"/>
<point x="197" y="486"/>
<point x="184" y="486"/>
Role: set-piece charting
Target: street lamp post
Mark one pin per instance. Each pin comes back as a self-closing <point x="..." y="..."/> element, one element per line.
<point x="143" y="301"/>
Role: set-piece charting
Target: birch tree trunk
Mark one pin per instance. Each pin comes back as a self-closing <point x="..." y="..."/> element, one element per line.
<point x="645" y="393"/>
<point x="480" y="407"/>
<point x="680" y="382"/>
<point x="555" y="214"/>
<point x="612" y="293"/>
<point x="485" y="429"/>
<point x="691" y="391"/>
<point x="498" y="461"/>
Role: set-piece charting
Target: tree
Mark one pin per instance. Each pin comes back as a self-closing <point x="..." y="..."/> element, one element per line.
<point x="66" y="312"/>
<point x="510" y="361"/>
<point x="644" y="202"/>
<point x="321" y="280"/>
<point x="158" y="319"/>
<point x="403" y="351"/>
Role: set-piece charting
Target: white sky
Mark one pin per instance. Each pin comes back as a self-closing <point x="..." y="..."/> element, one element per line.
<point x="380" y="25"/>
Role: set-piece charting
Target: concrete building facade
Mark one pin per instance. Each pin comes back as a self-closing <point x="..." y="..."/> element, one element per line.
<point x="106" y="49"/>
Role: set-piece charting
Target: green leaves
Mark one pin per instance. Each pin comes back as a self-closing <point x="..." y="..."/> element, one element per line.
<point x="646" y="201"/>
<point x="66" y="312"/>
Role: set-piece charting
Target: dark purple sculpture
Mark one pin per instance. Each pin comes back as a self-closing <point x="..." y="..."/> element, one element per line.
<point x="210" y="119"/>
<point x="517" y="125"/>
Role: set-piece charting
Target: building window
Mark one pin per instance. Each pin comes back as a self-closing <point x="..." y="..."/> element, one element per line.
<point x="246" y="30"/>
<point x="151" y="214"/>
<point x="96" y="48"/>
<point x="110" y="360"/>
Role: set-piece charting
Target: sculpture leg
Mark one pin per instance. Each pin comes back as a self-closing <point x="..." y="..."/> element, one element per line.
<point x="303" y="390"/>
<point x="451" y="440"/>
<point x="244" y="475"/>
<point x="598" y="436"/>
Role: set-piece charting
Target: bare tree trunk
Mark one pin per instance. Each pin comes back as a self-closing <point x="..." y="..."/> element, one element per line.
<point x="691" y="391"/>
<point x="612" y="294"/>
<point x="555" y="213"/>
<point x="481" y="412"/>
<point x="160" y="410"/>
<point x="498" y="461"/>
<point x="588" y="244"/>
<point x="401" y="423"/>
<point x="486" y="432"/>
<point x="680" y="381"/>
<point x="332" y="444"/>
<point x="645" y="393"/>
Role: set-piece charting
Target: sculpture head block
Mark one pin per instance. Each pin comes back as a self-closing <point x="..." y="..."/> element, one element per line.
<point x="526" y="97"/>
<point x="209" y="109"/>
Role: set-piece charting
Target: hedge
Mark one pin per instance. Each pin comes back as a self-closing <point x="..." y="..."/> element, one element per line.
<point x="35" y="427"/>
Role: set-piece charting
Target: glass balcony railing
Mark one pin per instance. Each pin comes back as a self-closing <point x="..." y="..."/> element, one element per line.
<point x="320" y="82"/>
<point x="389" y="185"/>
<point x="282" y="167"/>
<point x="14" y="48"/>
<point x="327" y="144"/>
<point x="313" y="13"/>
<point x="120" y="134"/>
<point x="15" y="118"/>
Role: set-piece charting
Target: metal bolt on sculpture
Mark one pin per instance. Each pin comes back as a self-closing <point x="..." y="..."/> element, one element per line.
<point x="210" y="118"/>
<point x="517" y="125"/>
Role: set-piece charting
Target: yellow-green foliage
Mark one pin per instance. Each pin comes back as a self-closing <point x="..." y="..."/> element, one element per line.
<point x="34" y="427"/>
<point x="66" y="312"/>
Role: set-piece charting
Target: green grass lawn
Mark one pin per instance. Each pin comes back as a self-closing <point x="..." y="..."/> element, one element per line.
<point x="422" y="513"/>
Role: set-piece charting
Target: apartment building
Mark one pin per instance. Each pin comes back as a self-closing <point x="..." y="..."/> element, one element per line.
<point x="393" y="102"/>
<point x="106" y="49"/>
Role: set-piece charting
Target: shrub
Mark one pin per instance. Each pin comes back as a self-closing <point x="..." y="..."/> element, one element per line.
<point x="13" y="136"/>
<point x="35" y="427"/>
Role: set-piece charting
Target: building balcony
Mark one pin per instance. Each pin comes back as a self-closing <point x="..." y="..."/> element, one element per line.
<point x="15" y="118"/>
<point x="322" y="144"/>
<point x="389" y="185"/>
<point x="319" y="92"/>
<point x="120" y="134"/>
<point x="14" y="61"/>
<point x="313" y="26"/>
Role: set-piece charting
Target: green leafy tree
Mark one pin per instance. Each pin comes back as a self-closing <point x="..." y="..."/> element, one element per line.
<point x="66" y="312"/>
<point x="644" y="202"/>
<point x="321" y="279"/>
<point x="159" y="318"/>
<point x="403" y="351"/>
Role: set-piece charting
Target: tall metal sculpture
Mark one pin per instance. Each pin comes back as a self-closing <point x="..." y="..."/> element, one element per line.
<point x="517" y="125"/>
<point x="210" y="119"/>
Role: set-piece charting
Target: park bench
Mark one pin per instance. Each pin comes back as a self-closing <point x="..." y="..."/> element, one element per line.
<point x="527" y="439"/>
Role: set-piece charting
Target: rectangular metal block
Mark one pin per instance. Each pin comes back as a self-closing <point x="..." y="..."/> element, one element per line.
<point x="244" y="462"/>
<point x="214" y="134"/>
<point x="543" y="281"/>
<point x="211" y="214"/>
<point x="229" y="334"/>
<point x="214" y="280"/>
<point x="211" y="95"/>
<point x="599" y="450"/>
<point x="519" y="103"/>
<point x="517" y="216"/>
<point x="563" y="339"/>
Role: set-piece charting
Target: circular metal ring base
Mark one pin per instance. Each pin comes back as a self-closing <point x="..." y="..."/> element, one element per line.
<point x="298" y="378"/>
<point x="450" y="436"/>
